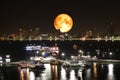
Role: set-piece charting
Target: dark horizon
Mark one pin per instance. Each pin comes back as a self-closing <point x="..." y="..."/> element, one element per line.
<point x="95" y="16"/>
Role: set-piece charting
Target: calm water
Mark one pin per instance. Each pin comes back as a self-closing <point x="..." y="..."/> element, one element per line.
<point x="98" y="71"/>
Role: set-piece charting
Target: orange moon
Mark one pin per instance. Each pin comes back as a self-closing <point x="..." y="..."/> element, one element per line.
<point x="63" y="22"/>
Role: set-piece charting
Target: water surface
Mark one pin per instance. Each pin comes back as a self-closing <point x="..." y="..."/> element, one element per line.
<point x="99" y="71"/>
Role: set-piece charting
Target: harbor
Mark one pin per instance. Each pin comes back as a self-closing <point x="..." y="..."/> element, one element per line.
<point x="101" y="67"/>
<point x="54" y="72"/>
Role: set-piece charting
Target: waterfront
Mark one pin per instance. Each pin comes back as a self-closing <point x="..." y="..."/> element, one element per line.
<point x="99" y="71"/>
<point x="101" y="49"/>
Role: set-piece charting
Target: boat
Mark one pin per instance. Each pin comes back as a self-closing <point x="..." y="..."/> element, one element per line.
<point x="36" y="65"/>
<point x="74" y="63"/>
<point x="23" y="64"/>
<point x="71" y="64"/>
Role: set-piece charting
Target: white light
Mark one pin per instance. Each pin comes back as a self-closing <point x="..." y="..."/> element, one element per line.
<point x="88" y="56"/>
<point x="31" y="58"/>
<point x="63" y="54"/>
<point x="88" y="72"/>
<point x="80" y="51"/>
<point x="110" y="53"/>
<point x="110" y="69"/>
<point x="7" y="56"/>
<point x="110" y="75"/>
<point x="63" y="74"/>
<point x="7" y="60"/>
<point x="37" y="52"/>
<point x="72" y="57"/>
<point x="46" y="75"/>
<point x="33" y="47"/>
<point x="80" y="73"/>
<point x="32" y="75"/>
<point x="0" y="58"/>
<point x="72" y="75"/>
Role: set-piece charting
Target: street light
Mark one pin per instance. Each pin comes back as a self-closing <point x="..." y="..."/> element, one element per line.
<point x="63" y="55"/>
<point x="72" y="57"/>
<point x="7" y="59"/>
<point x="37" y="53"/>
<point x="81" y="52"/>
<point x="110" y="54"/>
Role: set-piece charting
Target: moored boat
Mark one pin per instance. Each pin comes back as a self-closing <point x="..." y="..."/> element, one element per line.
<point x="37" y="65"/>
<point x="80" y="63"/>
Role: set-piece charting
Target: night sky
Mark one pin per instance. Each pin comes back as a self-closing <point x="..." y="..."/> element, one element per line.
<point x="88" y="15"/>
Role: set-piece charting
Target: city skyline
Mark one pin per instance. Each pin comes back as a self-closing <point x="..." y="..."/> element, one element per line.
<point x="95" y="16"/>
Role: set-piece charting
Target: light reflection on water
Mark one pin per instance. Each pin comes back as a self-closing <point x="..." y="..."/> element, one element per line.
<point x="72" y="75"/>
<point x="55" y="72"/>
<point x="46" y="75"/>
<point x="50" y="73"/>
<point x="95" y="71"/>
<point x="88" y="74"/>
<point x="63" y="74"/>
<point x="32" y="75"/>
<point x="110" y="75"/>
<point x="24" y="73"/>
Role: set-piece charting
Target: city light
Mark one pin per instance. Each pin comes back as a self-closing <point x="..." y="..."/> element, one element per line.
<point x="81" y="52"/>
<point x="110" y="54"/>
<point x="63" y="54"/>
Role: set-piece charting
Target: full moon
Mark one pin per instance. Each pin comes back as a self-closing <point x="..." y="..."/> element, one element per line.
<point x="63" y="22"/>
